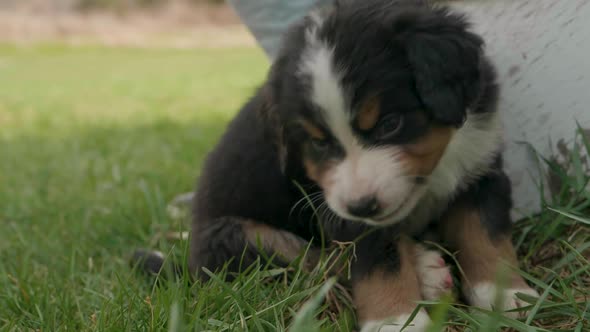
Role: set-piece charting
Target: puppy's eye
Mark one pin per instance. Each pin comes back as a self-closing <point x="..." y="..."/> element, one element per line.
<point x="389" y="126"/>
<point x="319" y="144"/>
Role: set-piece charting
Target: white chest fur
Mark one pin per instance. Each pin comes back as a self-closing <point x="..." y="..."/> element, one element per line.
<point x="469" y="154"/>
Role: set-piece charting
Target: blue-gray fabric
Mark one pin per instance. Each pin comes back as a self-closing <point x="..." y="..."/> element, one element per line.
<point x="268" y="19"/>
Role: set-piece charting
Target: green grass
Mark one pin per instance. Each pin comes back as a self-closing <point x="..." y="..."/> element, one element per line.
<point x="94" y="142"/>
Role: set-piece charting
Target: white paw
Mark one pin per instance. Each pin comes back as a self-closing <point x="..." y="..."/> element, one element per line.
<point x="483" y="295"/>
<point x="434" y="275"/>
<point x="419" y="324"/>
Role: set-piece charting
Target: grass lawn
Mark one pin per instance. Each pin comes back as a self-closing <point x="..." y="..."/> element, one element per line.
<point x="94" y="143"/>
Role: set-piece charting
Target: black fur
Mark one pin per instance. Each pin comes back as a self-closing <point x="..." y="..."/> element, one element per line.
<point x="435" y="54"/>
<point x="491" y="196"/>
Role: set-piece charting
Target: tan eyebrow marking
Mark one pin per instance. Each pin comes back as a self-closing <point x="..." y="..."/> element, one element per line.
<point x="369" y="114"/>
<point x="313" y="130"/>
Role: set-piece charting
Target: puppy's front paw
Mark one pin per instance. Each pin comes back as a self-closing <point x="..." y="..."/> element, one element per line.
<point x="433" y="273"/>
<point x="484" y="295"/>
<point x="419" y="324"/>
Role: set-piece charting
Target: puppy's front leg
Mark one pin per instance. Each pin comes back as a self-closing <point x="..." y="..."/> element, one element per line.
<point x="481" y="252"/>
<point x="386" y="286"/>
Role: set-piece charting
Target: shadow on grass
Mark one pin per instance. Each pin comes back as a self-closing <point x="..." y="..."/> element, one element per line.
<point x="73" y="206"/>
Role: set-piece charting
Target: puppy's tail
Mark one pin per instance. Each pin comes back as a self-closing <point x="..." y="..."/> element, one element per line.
<point x="154" y="263"/>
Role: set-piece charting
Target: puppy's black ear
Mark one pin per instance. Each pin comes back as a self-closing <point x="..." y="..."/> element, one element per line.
<point x="446" y="60"/>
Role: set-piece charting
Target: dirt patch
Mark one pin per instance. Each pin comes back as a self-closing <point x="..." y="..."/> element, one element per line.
<point x="176" y="25"/>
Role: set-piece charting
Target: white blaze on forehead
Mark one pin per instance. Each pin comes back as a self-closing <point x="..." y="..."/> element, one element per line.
<point x="326" y="90"/>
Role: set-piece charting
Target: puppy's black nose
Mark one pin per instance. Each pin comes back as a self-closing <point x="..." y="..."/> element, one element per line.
<point x="365" y="207"/>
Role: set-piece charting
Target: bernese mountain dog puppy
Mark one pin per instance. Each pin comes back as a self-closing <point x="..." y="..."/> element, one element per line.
<point x="383" y="113"/>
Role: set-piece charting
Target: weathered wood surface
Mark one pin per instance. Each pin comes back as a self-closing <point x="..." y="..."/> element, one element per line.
<point x="542" y="51"/>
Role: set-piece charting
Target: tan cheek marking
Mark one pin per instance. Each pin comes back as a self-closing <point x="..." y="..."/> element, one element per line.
<point x="422" y="156"/>
<point x="312" y="130"/>
<point x="369" y="114"/>
<point x="479" y="255"/>
<point x="321" y="174"/>
<point x="383" y="294"/>
<point x="313" y="170"/>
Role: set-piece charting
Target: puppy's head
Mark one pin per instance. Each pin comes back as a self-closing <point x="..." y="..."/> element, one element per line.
<point x="369" y="95"/>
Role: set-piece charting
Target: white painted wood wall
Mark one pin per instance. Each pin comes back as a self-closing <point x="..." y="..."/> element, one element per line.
<point x="542" y="51"/>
